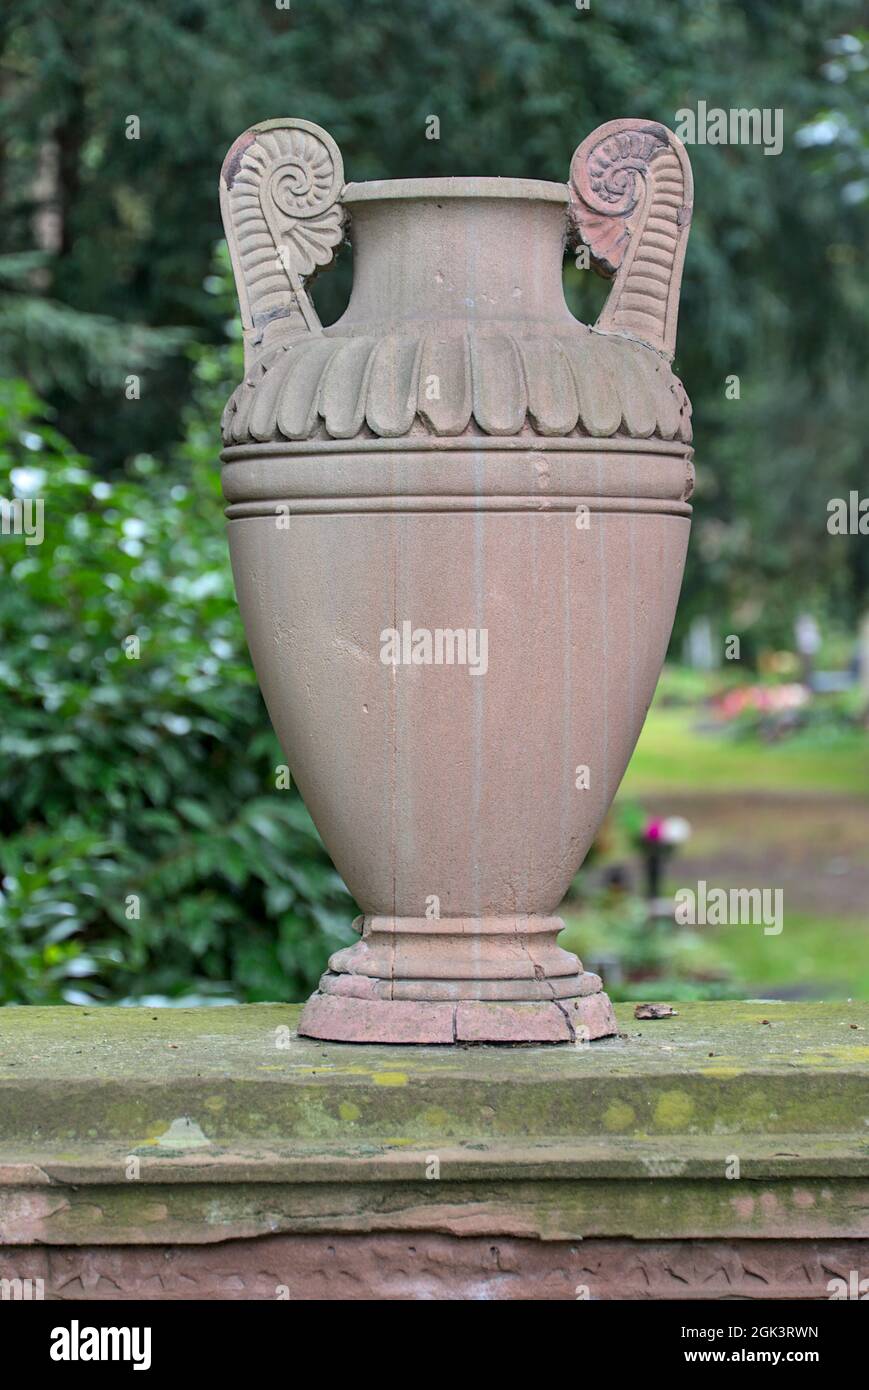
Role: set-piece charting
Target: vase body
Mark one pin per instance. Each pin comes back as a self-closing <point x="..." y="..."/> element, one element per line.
<point x="457" y="521"/>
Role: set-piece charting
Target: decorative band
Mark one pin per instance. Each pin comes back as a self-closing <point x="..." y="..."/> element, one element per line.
<point x="403" y="505"/>
<point x="470" y="444"/>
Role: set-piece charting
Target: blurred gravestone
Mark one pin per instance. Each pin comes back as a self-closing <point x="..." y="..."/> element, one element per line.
<point x="699" y="648"/>
<point x="807" y="636"/>
<point x="863" y="655"/>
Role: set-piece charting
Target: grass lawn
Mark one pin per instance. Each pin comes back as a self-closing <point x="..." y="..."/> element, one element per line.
<point x="672" y="756"/>
<point x="825" y="955"/>
<point x="813" y="957"/>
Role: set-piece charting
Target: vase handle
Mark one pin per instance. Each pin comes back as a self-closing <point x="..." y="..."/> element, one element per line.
<point x="631" y="198"/>
<point x="280" y="191"/>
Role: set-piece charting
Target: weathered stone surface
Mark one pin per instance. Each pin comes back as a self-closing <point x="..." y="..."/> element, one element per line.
<point x="126" y="1074"/>
<point x="378" y="1021"/>
<point x="657" y="1206"/>
<point x="477" y="1023"/>
<point x="299" y="1268"/>
<point x="138" y="1127"/>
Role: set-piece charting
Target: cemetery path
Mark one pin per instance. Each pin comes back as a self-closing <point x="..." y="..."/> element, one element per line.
<point x="814" y="845"/>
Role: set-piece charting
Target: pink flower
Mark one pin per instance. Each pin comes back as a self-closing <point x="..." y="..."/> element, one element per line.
<point x="666" y="830"/>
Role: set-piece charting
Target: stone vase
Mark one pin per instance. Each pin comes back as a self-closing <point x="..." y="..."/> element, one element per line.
<point x="458" y="520"/>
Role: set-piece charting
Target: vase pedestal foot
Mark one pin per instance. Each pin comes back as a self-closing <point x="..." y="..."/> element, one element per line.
<point x="495" y="979"/>
<point x="342" y="1018"/>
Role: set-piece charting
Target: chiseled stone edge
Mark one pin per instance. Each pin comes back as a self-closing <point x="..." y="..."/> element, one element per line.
<point x="128" y="1212"/>
<point x="439" y="1266"/>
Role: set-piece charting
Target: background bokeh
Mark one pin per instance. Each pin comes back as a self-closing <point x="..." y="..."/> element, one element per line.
<point x="145" y="850"/>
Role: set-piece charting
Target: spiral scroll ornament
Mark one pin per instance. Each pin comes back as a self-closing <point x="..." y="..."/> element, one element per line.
<point x="280" y="192"/>
<point x="631" y="200"/>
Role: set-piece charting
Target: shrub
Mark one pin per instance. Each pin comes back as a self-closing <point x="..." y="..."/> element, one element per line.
<point x="146" y="853"/>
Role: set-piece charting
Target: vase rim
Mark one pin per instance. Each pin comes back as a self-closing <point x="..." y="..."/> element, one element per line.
<point x="456" y="186"/>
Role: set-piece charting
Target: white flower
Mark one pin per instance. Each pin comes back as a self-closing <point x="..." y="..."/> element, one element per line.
<point x="675" y="830"/>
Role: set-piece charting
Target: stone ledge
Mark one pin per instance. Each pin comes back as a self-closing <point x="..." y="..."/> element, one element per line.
<point x="240" y="1129"/>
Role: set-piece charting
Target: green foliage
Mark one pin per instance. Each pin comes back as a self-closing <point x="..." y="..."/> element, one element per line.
<point x="56" y="347"/>
<point x="145" y="849"/>
<point x="656" y="960"/>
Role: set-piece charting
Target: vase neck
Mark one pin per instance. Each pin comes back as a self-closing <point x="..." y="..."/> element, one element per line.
<point x="456" y="260"/>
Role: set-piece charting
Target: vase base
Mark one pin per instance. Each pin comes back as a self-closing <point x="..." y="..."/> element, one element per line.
<point x="343" y="1018"/>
